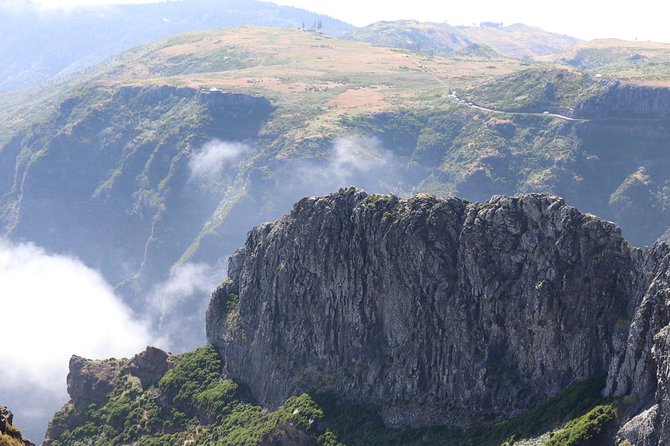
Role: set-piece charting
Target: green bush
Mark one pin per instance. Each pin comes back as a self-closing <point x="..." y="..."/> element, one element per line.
<point x="586" y="430"/>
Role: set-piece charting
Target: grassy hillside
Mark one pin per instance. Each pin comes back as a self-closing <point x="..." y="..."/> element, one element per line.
<point x="519" y="41"/>
<point x="639" y="62"/>
<point x="542" y="88"/>
<point x="38" y="44"/>
<point x="300" y="69"/>
<point x="325" y="77"/>
<point x="515" y="41"/>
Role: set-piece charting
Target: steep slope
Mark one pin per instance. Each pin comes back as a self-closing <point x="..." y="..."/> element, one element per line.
<point x="37" y="44"/>
<point x="435" y="310"/>
<point x="483" y="323"/>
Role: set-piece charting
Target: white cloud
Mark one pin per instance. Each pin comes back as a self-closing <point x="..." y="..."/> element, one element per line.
<point x="357" y="159"/>
<point x="209" y="162"/>
<point x="357" y="154"/>
<point x="178" y="304"/>
<point x="51" y="307"/>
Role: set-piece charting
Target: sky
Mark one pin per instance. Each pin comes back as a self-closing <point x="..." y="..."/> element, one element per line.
<point x="643" y="19"/>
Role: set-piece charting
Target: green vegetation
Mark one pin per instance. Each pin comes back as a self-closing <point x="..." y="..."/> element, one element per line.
<point x="359" y="425"/>
<point x="588" y="429"/>
<point x="192" y="403"/>
<point x="634" y="61"/>
<point x="536" y="90"/>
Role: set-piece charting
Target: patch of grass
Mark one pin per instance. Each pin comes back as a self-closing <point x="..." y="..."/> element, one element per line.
<point x="587" y="430"/>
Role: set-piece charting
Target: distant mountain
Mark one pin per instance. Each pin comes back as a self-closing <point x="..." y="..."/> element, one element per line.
<point x="518" y="41"/>
<point x="38" y="44"/>
<point x="646" y="62"/>
<point x="439" y="38"/>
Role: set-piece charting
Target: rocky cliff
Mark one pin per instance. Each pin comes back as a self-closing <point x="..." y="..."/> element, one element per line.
<point x="436" y="310"/>
<point x="415" y="322"/>
<point x="9" y="434"/>
<point x="156" y="398"/>
<point x="627" y="101"/>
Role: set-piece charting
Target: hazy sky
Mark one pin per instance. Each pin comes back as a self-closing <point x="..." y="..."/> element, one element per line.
<point x="642" y="19"/>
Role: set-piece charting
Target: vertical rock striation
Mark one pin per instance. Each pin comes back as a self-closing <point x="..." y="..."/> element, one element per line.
<point x="434" y="309"/>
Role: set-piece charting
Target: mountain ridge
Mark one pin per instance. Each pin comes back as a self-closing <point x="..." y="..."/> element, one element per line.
<point x="586" y="294"/>
<point x="54" y="51"/>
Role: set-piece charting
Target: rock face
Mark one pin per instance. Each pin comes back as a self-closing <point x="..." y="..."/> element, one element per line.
<point x="628" y="101"/>
<point x="150" y="365"/>
<point x="91" y="381"/>
<point x="435" y="310"/>
<point x="641" y="372"/>
<point x="287" y="434"/>
<point x="9" y="434"/>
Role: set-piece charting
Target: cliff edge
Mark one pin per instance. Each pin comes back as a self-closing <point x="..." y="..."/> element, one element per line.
<point x="436" y="310"/>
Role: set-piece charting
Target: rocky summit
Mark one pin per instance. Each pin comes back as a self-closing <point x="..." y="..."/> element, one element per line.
<point x="442" y="311"/>
<point x="362" y="319"/>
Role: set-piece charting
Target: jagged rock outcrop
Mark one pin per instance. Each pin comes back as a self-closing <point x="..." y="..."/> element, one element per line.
<point x="641" y="371"/>
<point x="434" y="309"/>
<point x="91" y="381"/>
<point x="150" y="365"/>
<point x="9" y="434"/>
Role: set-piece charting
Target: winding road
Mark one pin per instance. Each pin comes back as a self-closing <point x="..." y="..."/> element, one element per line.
<point x="465" y="103"/>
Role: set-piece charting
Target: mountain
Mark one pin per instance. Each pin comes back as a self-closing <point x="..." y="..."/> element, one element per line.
<point x="151" y="166"/>
<point x="176" y="147"/>
<point x="633" y="61"/>
<point x="125" y="147"/>
<point x="421" y="37"/>
<point x="516" y="41"/>
<point x="362" y="319"/>
<point x="38" y="44"/>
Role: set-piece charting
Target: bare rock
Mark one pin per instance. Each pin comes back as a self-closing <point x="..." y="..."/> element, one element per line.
<point x="434" y="309"/>
<point x="11" y="434"/>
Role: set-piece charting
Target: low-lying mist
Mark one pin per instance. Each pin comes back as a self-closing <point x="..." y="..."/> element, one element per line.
<point x="54" y="306"/>
<point x="177" y="306"/>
